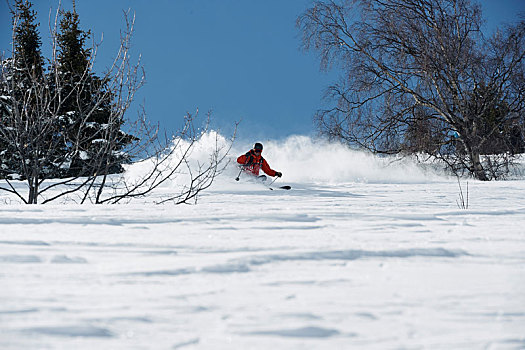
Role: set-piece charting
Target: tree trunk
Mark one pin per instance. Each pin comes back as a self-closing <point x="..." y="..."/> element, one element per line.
<point x="474" y="158"/>
<point x="477" y="167"/>
<point x="33" y="187"/>
<point x="32" y="192"/>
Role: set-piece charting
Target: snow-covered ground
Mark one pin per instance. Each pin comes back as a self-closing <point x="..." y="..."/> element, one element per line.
<point x="357" y="255"/>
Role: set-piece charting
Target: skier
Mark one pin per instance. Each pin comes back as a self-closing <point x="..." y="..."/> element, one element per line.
<point x="252" y="161"/>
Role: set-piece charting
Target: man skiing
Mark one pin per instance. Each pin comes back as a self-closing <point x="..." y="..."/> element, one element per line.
<point x="252" y="161"/>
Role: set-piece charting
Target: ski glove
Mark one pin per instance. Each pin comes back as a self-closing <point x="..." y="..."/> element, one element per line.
<point x="278" y="174"/>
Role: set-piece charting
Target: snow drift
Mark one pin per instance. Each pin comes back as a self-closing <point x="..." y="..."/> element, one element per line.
<point x="303" y="159"/>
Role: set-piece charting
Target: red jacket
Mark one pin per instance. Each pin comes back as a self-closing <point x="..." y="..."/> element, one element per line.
<point x="252" y="163"/>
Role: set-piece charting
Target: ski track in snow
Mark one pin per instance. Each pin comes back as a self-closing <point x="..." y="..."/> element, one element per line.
<point x="389" y="263"/>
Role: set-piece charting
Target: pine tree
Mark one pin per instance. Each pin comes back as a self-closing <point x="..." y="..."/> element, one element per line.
<point x="27" y="56"/>
<point x="86" y="106"/>
<point x="18" y="102"/>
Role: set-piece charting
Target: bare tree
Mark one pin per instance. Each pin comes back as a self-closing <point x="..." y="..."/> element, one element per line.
<point x="163" y="161"/>
<point x="44" y="139"/>
<point x="414" y="66"/>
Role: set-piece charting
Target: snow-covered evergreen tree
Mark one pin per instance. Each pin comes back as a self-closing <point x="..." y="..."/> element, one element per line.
<point x="84" y="106"/>
<point x="21" y="75"/>
<point x="61" y="123"/>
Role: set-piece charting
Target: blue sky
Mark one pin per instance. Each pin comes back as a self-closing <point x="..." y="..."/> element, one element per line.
<point x="238" y="58"/>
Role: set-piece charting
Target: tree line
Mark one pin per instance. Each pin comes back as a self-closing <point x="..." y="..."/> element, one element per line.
<point x="63" y="130"/>
<point x="420" y="77"/>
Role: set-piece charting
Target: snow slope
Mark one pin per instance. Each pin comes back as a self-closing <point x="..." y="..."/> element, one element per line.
<point x="362" y="253"/>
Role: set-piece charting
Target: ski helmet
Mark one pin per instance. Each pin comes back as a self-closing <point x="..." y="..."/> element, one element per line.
<point x="258" y="147"/>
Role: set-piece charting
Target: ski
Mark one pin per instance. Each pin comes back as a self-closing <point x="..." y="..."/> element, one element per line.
<point x="282" y="188"/>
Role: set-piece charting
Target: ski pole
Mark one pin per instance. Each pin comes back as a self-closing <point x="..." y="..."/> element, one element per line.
<point x="238" y="176"/>
<point x="273" y="181"/>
